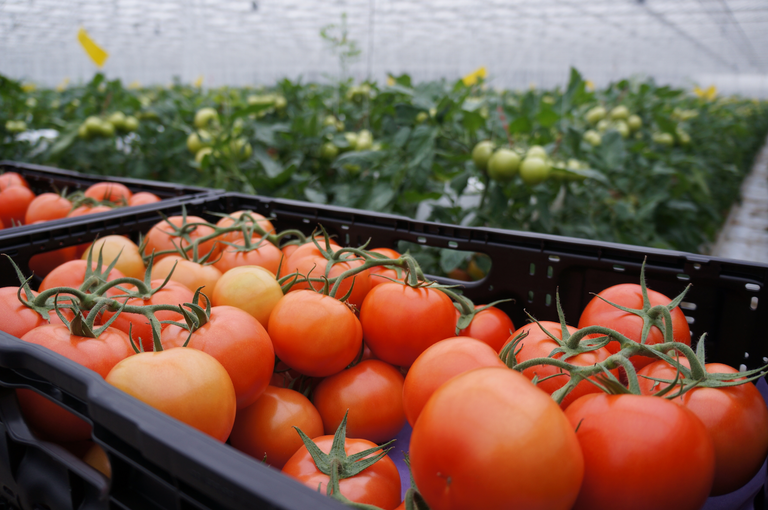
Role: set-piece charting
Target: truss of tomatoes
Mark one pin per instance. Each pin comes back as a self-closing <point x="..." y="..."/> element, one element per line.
<point x="311" y="357"/>
<point x="20" y="206"/>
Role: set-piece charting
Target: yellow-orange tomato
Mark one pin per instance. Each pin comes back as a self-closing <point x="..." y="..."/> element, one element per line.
<point x="252" y="289"/>
<point x="129" y="262"/>
<point x="265" y="428"/>
<point x="186" y="384"/>
<point x="189" y="273"/>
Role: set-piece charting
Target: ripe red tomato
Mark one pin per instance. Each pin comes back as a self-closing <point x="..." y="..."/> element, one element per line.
<point x="377" y="485"/>
<point x="9" y="179"/>
<point x="99" y="354"/>
<point x="378" y="272"/>
<point x="44" y="262"/>
<point x="308" y="261"/>
<point x="88" y="209"/>
<point x="314" y="334"/>
<point x="173" y="293"/>
<point x="631" y="442"/>
<point x="265" y="428"/>
<point x="47" y="207"/>
<point x="17" y="318"/>
<point x="267" y="255"/>
<point x="109" y="192"/>
<point x="233" y="236"/>
<point x="491" y="326"/>
<point x="490" y="439"/>
<point x="191" y="274"/>
<point x="14" y="201"/>
<point x="736" y="418"/>
<point x="186" y="384"/>
<point x="539" y="345"/>
<point x="160" y="238"/>
<point x="372" y="392"/>
<point x="439" y="363"/>
<point x="239" y="343"/>
<point x="598" y="312"/>
<point x="400" y="322"/>
<point x="143" y="198"/>
<point x="72" y="274"/>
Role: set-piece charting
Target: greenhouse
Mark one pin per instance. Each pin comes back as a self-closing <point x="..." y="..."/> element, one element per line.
<point x="386" y="254"/>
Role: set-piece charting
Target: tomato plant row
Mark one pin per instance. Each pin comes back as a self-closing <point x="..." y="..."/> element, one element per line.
<point x="346" y="344"/>
<point x="636" y="162"/>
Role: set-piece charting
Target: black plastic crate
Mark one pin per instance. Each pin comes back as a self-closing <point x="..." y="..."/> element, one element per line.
<point x="159" y="456"/>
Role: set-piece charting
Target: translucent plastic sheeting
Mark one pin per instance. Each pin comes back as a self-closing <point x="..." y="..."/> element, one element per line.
<point x="520" y="42"/>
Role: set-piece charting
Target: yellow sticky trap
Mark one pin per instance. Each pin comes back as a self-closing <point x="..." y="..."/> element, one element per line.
<point x="199" y="81"/>
<point x="390" y="80"/>
<point x="472" y="78"/>
<point x="709" y="94"/>
<point x="61" y="87"/>
<point x="29" y="87"/>
<point x="97" y="54"/>
<point x="589" y="85"/>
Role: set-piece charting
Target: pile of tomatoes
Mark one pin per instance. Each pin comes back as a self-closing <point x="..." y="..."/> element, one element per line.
<point x="20" y="206"/>
<point x="311" y="356"/>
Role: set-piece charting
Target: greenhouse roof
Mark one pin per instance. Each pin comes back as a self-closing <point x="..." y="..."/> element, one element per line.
<point x="519" y="42"/>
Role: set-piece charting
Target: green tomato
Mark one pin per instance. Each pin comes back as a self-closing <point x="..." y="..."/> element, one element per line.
<point x="31" y="102"/>
<point x="482" y="153"/>
<point x="205" y="117"/>
<point x="131" y="124"/>
<point x="683" y="137"/>
<point x="621" y="127"/>
<point x="328" y="151"/>
<point x="107" y="130"/>
<point x="595" y="115"/>
<point x="353" y="169"/>
<point x="82" y="132"/>
<point x="197" y="140"/>
<point x="93" y="125"/>
<point x="117" y="119"/>
<point x="422" y="117"/>
<point x="593" y="138"/>
<point x="364" y="140"/>
<point x="351" y="140"/>
<point x="15" y="126"/>
<point x="241" y="148"/>
<point x="330" y="120"/>
<point x="205" y="151"/>
<point x="603" y="125"/>
<point x="663" y="138"/>
<point x="536" y="151"/>
<point x="534" y="170"/>
<point x="503" y="165"/>
<point x="634" y="122"/>
<point x="280" y="102"/>
<point x="621" y="112"/>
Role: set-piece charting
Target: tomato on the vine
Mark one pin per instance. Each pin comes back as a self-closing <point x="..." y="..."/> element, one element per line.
<point x="253" y="289"/>
<point x="400" y="322"/>
<point x="372" y="392"/>
<point x="266" y="255"/>
<point x="735" y="416"/>
<point x="377" y="485"/>
<point x="314" y="334"/>
<point x="629" y="295"/>
<point x="47" y="207"/>
<point x="265" y="428"/>
<point x="638" y="444"/>
<point x="109" y="192"/>
<point x="439" y="363"/>
<point x="490" y="439"/>
<point x="14" y="201"/>
<point x="160" y="238"/>
<point x="491" y="326"/>
<point x="99" y="354"/>
<point x="237" y="341"/>
<point x="17" y="318"/>
<point x="186" y="384"/>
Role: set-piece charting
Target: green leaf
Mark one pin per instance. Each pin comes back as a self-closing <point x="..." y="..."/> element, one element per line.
<point x="547" y="116"/>
<point x="271" y="167"/>
<point x="315" y="195"/>
<point x="451" y="259"/>
<point x="416" y="196"/>
<point x="381" y="195"/>
<point x="63" y="143"/>
<point x="520" y="125"/>
<point x="612" y="150"/>
<point x="472" y="121"/>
